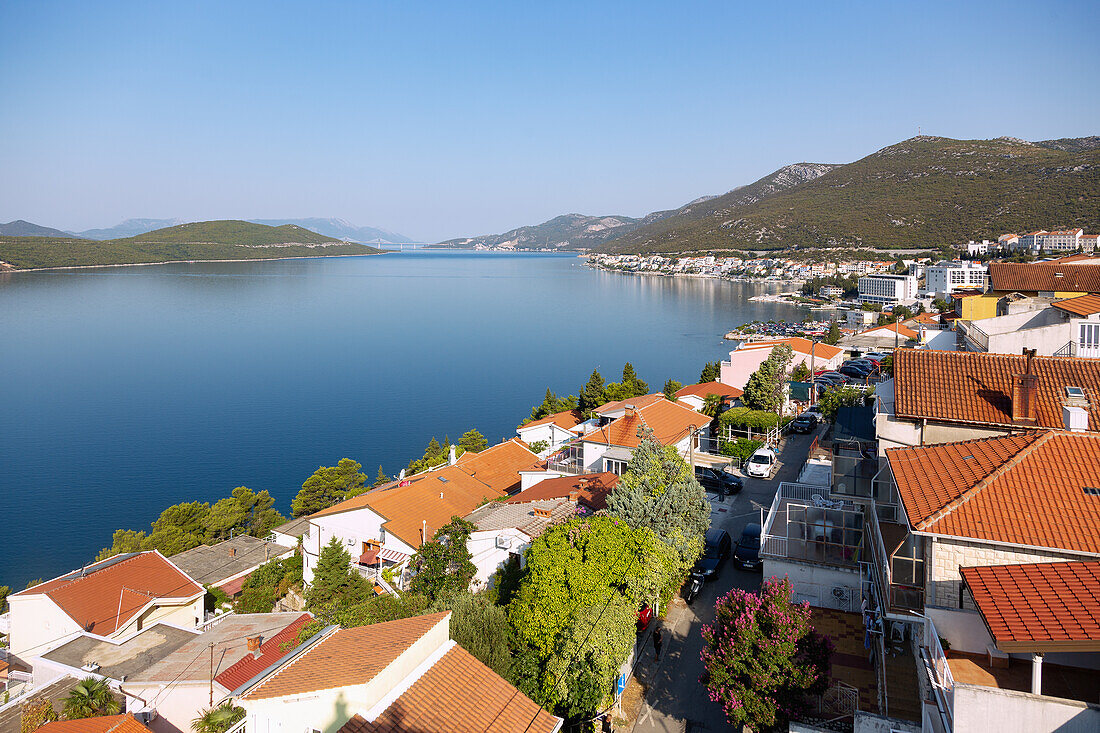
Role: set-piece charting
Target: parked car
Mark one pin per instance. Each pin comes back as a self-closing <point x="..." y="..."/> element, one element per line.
<point x="876" y="356"/>
<point x="804" y="423"/>
<point x="815" y="411"/>
<point x="761" y="463"/>
<point x="863" y="362"/>
<point x="854" y="371"/>
<point x="691" y="588"/>
<point x="720" y="480"/>
<point x="747" y="552"/>
<point x="645" y="616"/>
<point x="715" y="552"/>
<point x="832" y="376"/>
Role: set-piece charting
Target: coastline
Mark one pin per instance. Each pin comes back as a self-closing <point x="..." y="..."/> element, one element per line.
<point x="174" y="262"/>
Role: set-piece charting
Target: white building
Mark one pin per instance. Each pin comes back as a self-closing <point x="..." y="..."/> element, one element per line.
<point x="1066" y="240"/>
<point x="945" y="277"/>
<point x="888" y="289"/>
<point x="979" y="248"/>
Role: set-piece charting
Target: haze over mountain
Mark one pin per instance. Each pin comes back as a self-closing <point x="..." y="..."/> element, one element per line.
<point x="128" y="228"/>
<point x="342" y="229"/>
<point x="21" y="228"/>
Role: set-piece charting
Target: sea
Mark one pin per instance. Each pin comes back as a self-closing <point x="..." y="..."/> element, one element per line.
<point x="124" y="390"/>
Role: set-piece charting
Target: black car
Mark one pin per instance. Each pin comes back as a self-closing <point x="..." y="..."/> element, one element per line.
<point x="853" y="371"/>
<point x="720" y="480"/>
<point x="804" y="424"/>
<point x="747" y="553"/>
<point x="715" y="552"/>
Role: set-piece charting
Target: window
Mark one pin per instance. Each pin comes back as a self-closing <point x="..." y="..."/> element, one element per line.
<point x="1074" y="392"/>
<point x="1090" y="336"/>
<point x="616" y="467"/>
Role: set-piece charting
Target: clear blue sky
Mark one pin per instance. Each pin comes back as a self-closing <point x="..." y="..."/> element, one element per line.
<point x="446" y="119"/>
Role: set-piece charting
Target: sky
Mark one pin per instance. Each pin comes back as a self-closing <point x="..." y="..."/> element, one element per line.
<point x="439" y="120"/>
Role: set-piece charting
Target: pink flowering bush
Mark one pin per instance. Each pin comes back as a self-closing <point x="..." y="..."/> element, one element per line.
<point x="762" y="659"/>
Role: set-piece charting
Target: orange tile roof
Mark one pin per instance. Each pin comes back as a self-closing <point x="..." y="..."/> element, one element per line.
<point x="1026" y="489"/>
<point x="458" y="694"/>
<point x="901" y="330"/>
<point x="1035" y="277"/>
<point x="669" y="421"/>
<point x="799" y="344"/>
<point x="976" y="388"/>
<point x="1082" y="305"/>
<point x="925" y="318"/>
<point x="346" y="657"/>
<point x="111" y="592"/>
<point x="271" y="651"/>
<point x="593" y="488"/>
<point x="436" y="496"/>
<point x="706" y="389"/>
<point x="564" y="420"/>
<point x="1039" y="607"/>
<point x="102" y="724"/>
<point x="638" y="402"/>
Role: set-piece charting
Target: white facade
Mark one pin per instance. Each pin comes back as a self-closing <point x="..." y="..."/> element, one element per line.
<point x="888" y="289"/>
<point x="1057" y="241"/>
<point x="979" y="248"/>
<point x="944" y="278"/>
<point x="554" y="435"/>
<point x="353" y="529"/>
<point x="490" y="549"/>
<point x="744" y="361"/>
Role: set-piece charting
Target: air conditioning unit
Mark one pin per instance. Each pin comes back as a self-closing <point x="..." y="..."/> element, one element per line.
<point x="840" y="598"/>
<point x="504" y="542"/>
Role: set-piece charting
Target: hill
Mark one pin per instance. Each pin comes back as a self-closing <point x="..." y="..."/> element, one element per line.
<point x="20" y="228"/>
<point x="921" y="193"/>
<point x="341" y="229"/>
<point x="128" y="228"/>
<point x="208" y="240"/>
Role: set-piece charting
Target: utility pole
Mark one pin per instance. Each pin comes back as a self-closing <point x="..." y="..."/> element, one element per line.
<point x="211" y="674"/>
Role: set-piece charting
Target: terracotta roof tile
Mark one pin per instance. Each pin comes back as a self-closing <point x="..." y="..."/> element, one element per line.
<point x="1026" y="489"/>
<point x="1082" y="305"/>
<point x="346" y="657"/>
<point x="111" y="592"/>
<point x="638" y="402"/>
<point x="900" y="328"/>
<point x="799" y="344"/>
<point x="593" y="489"/>
<point x="706" y="389"/>
<point x="103" y="724"/>
<point x="1037" y="604"/>
<point x="669" y="421"/>
<point x="976" y="388"/>
<point x="1038" y="276"/>
<point x="564" y="420"/>
<point x="459" y="694"/>
<point x="271" y="651"/>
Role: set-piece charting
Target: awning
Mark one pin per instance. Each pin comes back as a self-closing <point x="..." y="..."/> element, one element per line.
<point x="233" y="587"/>
<point x="618" y="453"/>
<point x="392" y="555"/>
<point x="370" y="557"/>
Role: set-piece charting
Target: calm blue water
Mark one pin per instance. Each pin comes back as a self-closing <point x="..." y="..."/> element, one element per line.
<point x="126" y="390"/>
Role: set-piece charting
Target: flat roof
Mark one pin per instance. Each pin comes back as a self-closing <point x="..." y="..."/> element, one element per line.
<point x="212" y="564"/>
<point x="125" y="659"/>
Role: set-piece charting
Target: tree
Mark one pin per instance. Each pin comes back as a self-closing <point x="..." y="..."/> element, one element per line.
<point x="764" y="388"/>
<point x="473" y="441"/>
<point x="941" y="305"/>
<point x="334" y="581"/>
<point x="594" y="393"/>
<point x="630" y="380"/>
<point x="443" y="567"/>
<point x="35" y="713"/>
<point x="218" y="719"/>
<point x="258" y="511"/>
<point x="712" y="405"/>
<point x="711" y="372"/>
<point x="551" y="405"/>
<point x="837" y="397"/>
<point x="762" y="658"/>
<point x="329" y="485"/>
<point x="381" y="479"/>
<point x="481" y="628"/>
<point x="91" y="697"/>
<point x="834" y="334"/>
<point x="671" y="388"/>
<point x="367" y="610"/>
<point x="800" y="373"/>
<point x="4" y="592"/>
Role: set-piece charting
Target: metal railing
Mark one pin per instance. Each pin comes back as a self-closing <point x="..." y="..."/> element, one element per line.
<point x="776" y="544"/>
<point x="939" y="673"/>
<point x="572" y="467"/>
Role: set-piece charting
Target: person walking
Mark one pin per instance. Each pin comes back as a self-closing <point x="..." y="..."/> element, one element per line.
<point x="657" y="643"/>
<point x="605" y="726"/>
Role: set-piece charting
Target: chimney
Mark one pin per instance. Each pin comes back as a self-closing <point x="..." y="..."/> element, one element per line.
<point x="452" y="459"/>
<point x="254" y="645"/>
<point x="574" y="496"/>
<point x="1024" y="393"/>
<point x="543" y="513"/>
<point x="1075" y="418"/>
<point x="232" y="551"/>
<point x="629" y="411"/>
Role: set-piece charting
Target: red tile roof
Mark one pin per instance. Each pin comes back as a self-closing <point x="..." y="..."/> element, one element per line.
<point x="798" y="344"/>
<point x="1025" y="489"/>
<point x="458" y="694"/>
<point x="1038" y="276"/>
<point x="638" y="402"/>
<point x="271" y="651"/>
<point x="346" y="657"/>
<point x="900" y="328"/>
<point x="976" y="388"/>
<point x="669" y="421"/>
<point x="1048" y="606"/>
<point x="1082" y="305"/>
<point x="564" y="420"/>
<point x="102" y="724"/>
<point x="706" y="389"/>
<point x="109" y="593"/>
<point x="593" y="489"/>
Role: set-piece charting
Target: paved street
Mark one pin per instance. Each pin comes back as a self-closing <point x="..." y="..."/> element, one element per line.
<point x="676" y="702"/>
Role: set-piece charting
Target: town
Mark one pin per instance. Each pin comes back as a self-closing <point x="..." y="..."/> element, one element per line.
<point x="907" y="497"/>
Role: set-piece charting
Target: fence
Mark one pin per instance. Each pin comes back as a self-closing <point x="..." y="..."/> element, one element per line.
<point x="939" y="672"/>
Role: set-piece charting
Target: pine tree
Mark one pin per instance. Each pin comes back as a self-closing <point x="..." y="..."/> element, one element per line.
<point x="635" y="386"/>
<point x="380" y="479"/>
<point x="327" y="486"/>
<point x="671" y="388"/>
<point x="711" y="372"/>
<point x="834" y="334"/>
<point x="473" y="441"/>
<point x="594" y="393"/>
<point x="334" y="582"/>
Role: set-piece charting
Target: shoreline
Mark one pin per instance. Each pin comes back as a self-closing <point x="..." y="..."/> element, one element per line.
<point x="175" y="262"/>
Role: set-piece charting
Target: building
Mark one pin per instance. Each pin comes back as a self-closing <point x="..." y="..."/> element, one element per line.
<point x="505" y="531"/>
<point x="1067" y="240"/>
<point x="945" y="277"/>
<point x="972" y="305"/>
<point x="103" y="724"/>
<point x="976" y="249"/>
<point x="403" y="676"/>
<point x="879" y="338"/>
<point x="589" y="490"/>
<point x="749" y="355"/>
<point x="1049" y="280"/>
<point x="289" y="534"/>
<point x="113" y="598"/>
<point x="888" y="289"/>
<point x="228" y="564"/>
<point x="1068" y="327"/>
<point x="553" y="430"/>
<point x="830" y="291"/>
<point x="695" y="395"/>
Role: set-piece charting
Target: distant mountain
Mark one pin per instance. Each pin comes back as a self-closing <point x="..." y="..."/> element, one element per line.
<point x="341" y="229"/>
<point x="198" y="241"/>
<point x="20" y="228"/>
<point x="921" y="193"/>
<point x="128" y="228"/>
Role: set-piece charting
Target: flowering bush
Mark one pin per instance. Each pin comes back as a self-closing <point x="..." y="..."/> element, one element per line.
<point x="762" y="658"/>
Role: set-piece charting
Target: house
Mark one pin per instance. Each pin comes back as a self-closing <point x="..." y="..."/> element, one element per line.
<point x="401" y="676"/>
<point x="749" y="355"/>
<point x="554" y="430"/>
<point x="385" y="527"/>
<point x="1053" y="280"/>
<point x="1069" y="327"/>
<point x="103" y="724"/>
<point x="504" y="531"/>
<point x="695" y="395"/>
<point x="289" y="534"/>
<point x="589" y="490"/>
<point x="879" y="338"/>
<point x="113" y="598"/>
<point x="973" y="305"/>
<point x="170" y="674"/>
<point x="944" y="396"/>
<point x="228" y="564"/>
<point x="614" y="410"/>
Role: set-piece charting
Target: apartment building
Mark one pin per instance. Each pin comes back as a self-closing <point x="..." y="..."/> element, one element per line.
<point x="888" y="289"/>
<point x="945" y="277"/>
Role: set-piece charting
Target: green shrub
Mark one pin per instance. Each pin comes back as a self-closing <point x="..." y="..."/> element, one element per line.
<point x="740" y="449"/>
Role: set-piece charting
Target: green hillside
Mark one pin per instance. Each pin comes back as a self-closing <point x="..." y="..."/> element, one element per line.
<point x="208" y="240"/>
<point x="921" y="193"/>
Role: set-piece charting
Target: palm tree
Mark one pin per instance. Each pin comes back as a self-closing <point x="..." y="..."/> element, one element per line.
<point x="712" y="405"/>
<point x="91" y="697"/>
<point x="218" y="720"/>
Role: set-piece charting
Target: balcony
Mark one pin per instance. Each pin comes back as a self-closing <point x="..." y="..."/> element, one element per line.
<point x="568" y="466"/>
<point x="808" y="523"/>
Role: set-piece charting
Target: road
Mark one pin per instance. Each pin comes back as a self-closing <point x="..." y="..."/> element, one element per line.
<point x="676" y="702"/>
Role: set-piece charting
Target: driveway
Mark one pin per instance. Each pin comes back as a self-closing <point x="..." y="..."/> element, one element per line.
<point x="676" y="702"/>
